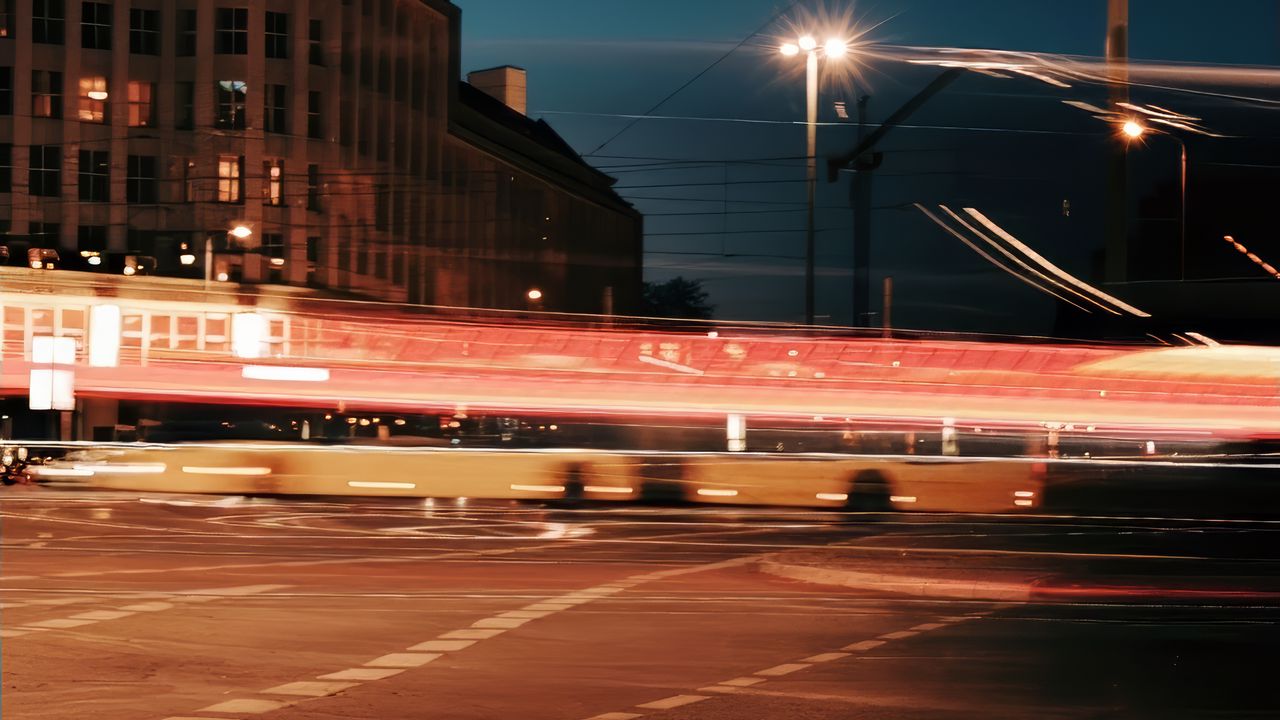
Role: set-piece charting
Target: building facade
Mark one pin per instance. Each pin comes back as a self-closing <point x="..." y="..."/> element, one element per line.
<point x="334" y="135"/>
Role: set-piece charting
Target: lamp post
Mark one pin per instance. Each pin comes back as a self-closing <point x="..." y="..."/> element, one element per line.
<point x="1132" y="129"/>
<point x="834" y="49"/>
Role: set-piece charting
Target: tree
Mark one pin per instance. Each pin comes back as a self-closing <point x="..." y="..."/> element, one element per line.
<point x="677" y="298"/>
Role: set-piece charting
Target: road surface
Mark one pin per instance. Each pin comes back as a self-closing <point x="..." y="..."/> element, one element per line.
<point x="124" y="606"/>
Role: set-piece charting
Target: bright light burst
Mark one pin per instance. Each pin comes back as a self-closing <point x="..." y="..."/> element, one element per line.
<point x="836" y="34"/>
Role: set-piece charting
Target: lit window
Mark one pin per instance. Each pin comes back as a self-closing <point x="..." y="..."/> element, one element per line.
<point x="230" y="178"/>
<point x="231" y="31"/>
<point x="93" y="99"/>
<point x="274" y="190"/>
<point x="46" y="94"/>
<point x="277" y="35"/>
<point x="48" y="21"/>
<point x="144" y="31"/>
<point x="95" y="26"/>
<point x="140" y="108"/>
<point x="230" y="104"/>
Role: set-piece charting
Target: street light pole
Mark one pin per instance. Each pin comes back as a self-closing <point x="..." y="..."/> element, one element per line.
<point x="208" y="261"/>
<point x="811" y="182"/>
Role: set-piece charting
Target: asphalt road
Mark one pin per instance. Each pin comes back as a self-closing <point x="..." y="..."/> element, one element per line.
<point x="118" y="606"/>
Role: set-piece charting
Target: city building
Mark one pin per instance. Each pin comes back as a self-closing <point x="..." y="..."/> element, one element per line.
<point x="325" y="143"/>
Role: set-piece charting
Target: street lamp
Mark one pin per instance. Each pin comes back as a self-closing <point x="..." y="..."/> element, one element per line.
<point x="1133" y="129"/>
<point x="833" y="49"/>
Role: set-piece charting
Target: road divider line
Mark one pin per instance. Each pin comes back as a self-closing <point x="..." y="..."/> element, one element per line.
<point x="674" y="701"/>
<point x="310" y="688"/>
<point x="402" y="660"/>
<point x="246" y="706"/>
<point x="785" y="669"/>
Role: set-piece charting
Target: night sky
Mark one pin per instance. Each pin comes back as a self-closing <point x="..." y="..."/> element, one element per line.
<point x="723" y="194"/>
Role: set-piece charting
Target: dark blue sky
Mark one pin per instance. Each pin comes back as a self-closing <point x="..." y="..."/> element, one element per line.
<point x="590" y="60"/>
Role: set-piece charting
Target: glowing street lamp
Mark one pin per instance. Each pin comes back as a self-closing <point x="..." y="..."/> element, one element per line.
<point x="240" y="232"/>
<point x="1132" y="130"/>
<point x="834" y="49"/>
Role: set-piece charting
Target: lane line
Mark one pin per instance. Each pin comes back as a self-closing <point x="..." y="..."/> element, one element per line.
<point x="864" y="645"/>
<point x="744" y="681"/>
<point x="900" y="635"/>
<point x="442" y="645"/>
<point x="250" y="706"/>
<point x="825" y="657"/>
<point x="310" y="688"/>
<point x="616" y="716"/>
<point x="785" y="669"/>
<point x="361" y="674"/>
<point x="402" y="660"/>
<point x="674" y="701"/>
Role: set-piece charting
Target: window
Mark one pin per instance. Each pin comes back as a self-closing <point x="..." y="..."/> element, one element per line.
<point x="188" y="180"/>
<point x="273" y="191"/>
<point x="186" y="46"/>
<point x="184" y="101"/>
<point x="6" y="90"/>
<point x="230" y="178"/>
<point x="48" y="22"/>
<point x="46" y="94"/>
<point x="275" y="118"/>
<point x="140" y="183"/>
<point x="140" y="107"/>
<point x="95" y="176"/>
<point x="6" y="18"/>
<point x="6" y="167"/>
<point x="44" y="234"/>
<point x="231" y="31"/>
<point x="313" y="187"/>
<point x="45" y="173"/>
<point x="315" y="49"/>
<point x="315" y="123"/>
<point x="95" y="26"/>
<point x="144" y="31"/>
<point x="230" y="104"/>
<point x="277" y="35"/>
<point x="93" y="239"/>
<point x="273" y="245"/>
<point x="93" y="99"/>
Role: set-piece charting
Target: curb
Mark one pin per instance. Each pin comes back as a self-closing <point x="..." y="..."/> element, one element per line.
<point x="903" y="584"/>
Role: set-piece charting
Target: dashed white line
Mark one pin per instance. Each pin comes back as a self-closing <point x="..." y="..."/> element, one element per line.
<point x="743" y="681"/>
<point x="471" y="634"/>
<point x="674" y="701"/>
<point x="310" y="688"/>
<point x="402" y="660"/>
<point x="499" y="622"/>
<point x="785" y="669"/>
<point x="616" y="716"/>
<point x="442" y="645"/>
<point x="362" y="674"/>
<point x="864" y="645"/>
<point x="825" y="657"/>
<point x="249" y="706"/>
<point x="900" y="635"/>
<point x="102" y="615"/>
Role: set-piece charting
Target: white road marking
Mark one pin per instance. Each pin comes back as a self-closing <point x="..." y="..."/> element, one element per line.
<point x="60" y="623"/>
<point x="924" y="627"/>
<point x="148" y="607"/>
<point x="900" y="635"/>
<point x="60" y="601"/>
<point x="4" y="633"/>
<point x="101" y="615"/>
<point x="362" y="674"/>
<point x="442" y="645"/>
<point x="402" y="660"/>
<point x="785" y="669"/>
<point x="525" y="614"/>
<point x="743" y="681"/>
<point x="246" y="705"/>
<point x="616" y="716"/>
<point x="674" y="701"/>
<point x="864" y="645"/>
<point x="310" y="688"/>
<point x="825" y="657"/>
<point x="471" y="634"/>
<point x="7" y="605"/>
<point x="553" y="607"/>
<point x="499" y="622"/>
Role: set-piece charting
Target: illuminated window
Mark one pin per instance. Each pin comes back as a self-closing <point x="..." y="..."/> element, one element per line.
<point x="315" y="50"/>
<point x="95" y="26"/>
<point x="93" y="99"/>
<point x="48" y="21"/>
<point x="144" y="31"/>
<point x="95" y="176"/>
<point x="186" y="46"/>
<point x="275" y="116"/>
<point x="315" y="121"/>
<point x="140" y="107"/>
<point x="45" y="170"/>
<point x="274" y="189"/>
<point x="231" y="31"/>
<point x="46" y="94"/>
<point x="230" y="178"/>
<point x="230" y="104"/>
<point x="277" y="35"/>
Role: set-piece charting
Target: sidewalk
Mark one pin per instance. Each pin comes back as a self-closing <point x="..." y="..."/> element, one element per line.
<point x="989" y="576"/>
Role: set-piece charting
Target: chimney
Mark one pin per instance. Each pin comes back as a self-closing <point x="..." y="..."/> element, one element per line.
<point x="507" y="83"/>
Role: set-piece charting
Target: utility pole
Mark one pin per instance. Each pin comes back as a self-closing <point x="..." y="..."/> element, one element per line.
<point x="860" y="199"/>
<point x="1117" y="203"/>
